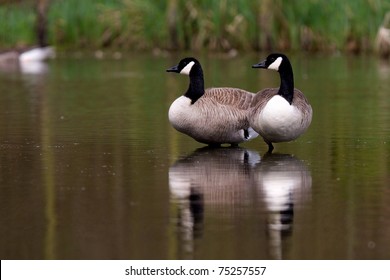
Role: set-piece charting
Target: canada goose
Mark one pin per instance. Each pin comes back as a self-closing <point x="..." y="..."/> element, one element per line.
<point x="280" y="114"/>
<point x="213" y="116"/>
<point x="27" y="55"/>
<point x="28" y="61"/>
<point x="40" y="52"/>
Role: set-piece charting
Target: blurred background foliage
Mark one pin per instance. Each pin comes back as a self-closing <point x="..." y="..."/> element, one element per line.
<point x="213" y="25"/>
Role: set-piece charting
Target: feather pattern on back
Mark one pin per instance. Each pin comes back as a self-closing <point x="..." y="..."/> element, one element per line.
<point x="237" y="98"/>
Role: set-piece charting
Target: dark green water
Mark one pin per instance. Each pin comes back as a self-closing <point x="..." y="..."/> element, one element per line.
<point x="90" y="167"/>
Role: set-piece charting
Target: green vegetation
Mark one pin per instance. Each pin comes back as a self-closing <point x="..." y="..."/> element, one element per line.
<point x="216" y="25"/>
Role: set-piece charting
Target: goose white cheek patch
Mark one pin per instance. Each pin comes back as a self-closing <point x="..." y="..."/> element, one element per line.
<point x="275" y="65"/>
<point x="186" y="70"/>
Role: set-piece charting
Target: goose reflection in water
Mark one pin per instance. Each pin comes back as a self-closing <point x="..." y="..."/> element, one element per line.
<point x="221" y="177"/>
<point x="284" y="182"/>
<point x="226" y="179"/>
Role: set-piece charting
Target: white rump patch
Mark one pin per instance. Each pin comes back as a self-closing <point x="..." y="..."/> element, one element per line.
<point x="275" y="65"/>
<point x="186" y="70"/>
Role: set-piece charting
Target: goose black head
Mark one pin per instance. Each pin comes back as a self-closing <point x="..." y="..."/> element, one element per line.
<point x="275" y="61"/>
<point x="186" y="66"/>
<point x="191" y="67"/>
<point x="280" y="63"/>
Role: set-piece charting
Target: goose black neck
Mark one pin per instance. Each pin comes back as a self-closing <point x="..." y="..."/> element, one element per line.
<point x="196" y="88"/>
<point x="286" y="89"/>
<point x="41" y="24"/>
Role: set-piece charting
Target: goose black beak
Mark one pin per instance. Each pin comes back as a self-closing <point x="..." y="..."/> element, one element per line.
<point x="260" y="65"/>
<point x="174" y="69"/>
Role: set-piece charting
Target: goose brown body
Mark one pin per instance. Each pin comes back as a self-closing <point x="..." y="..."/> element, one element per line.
<point x="219" y="116"/>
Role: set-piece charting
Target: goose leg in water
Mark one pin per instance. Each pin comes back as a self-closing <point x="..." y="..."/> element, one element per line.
<point x="270" y="146"/>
